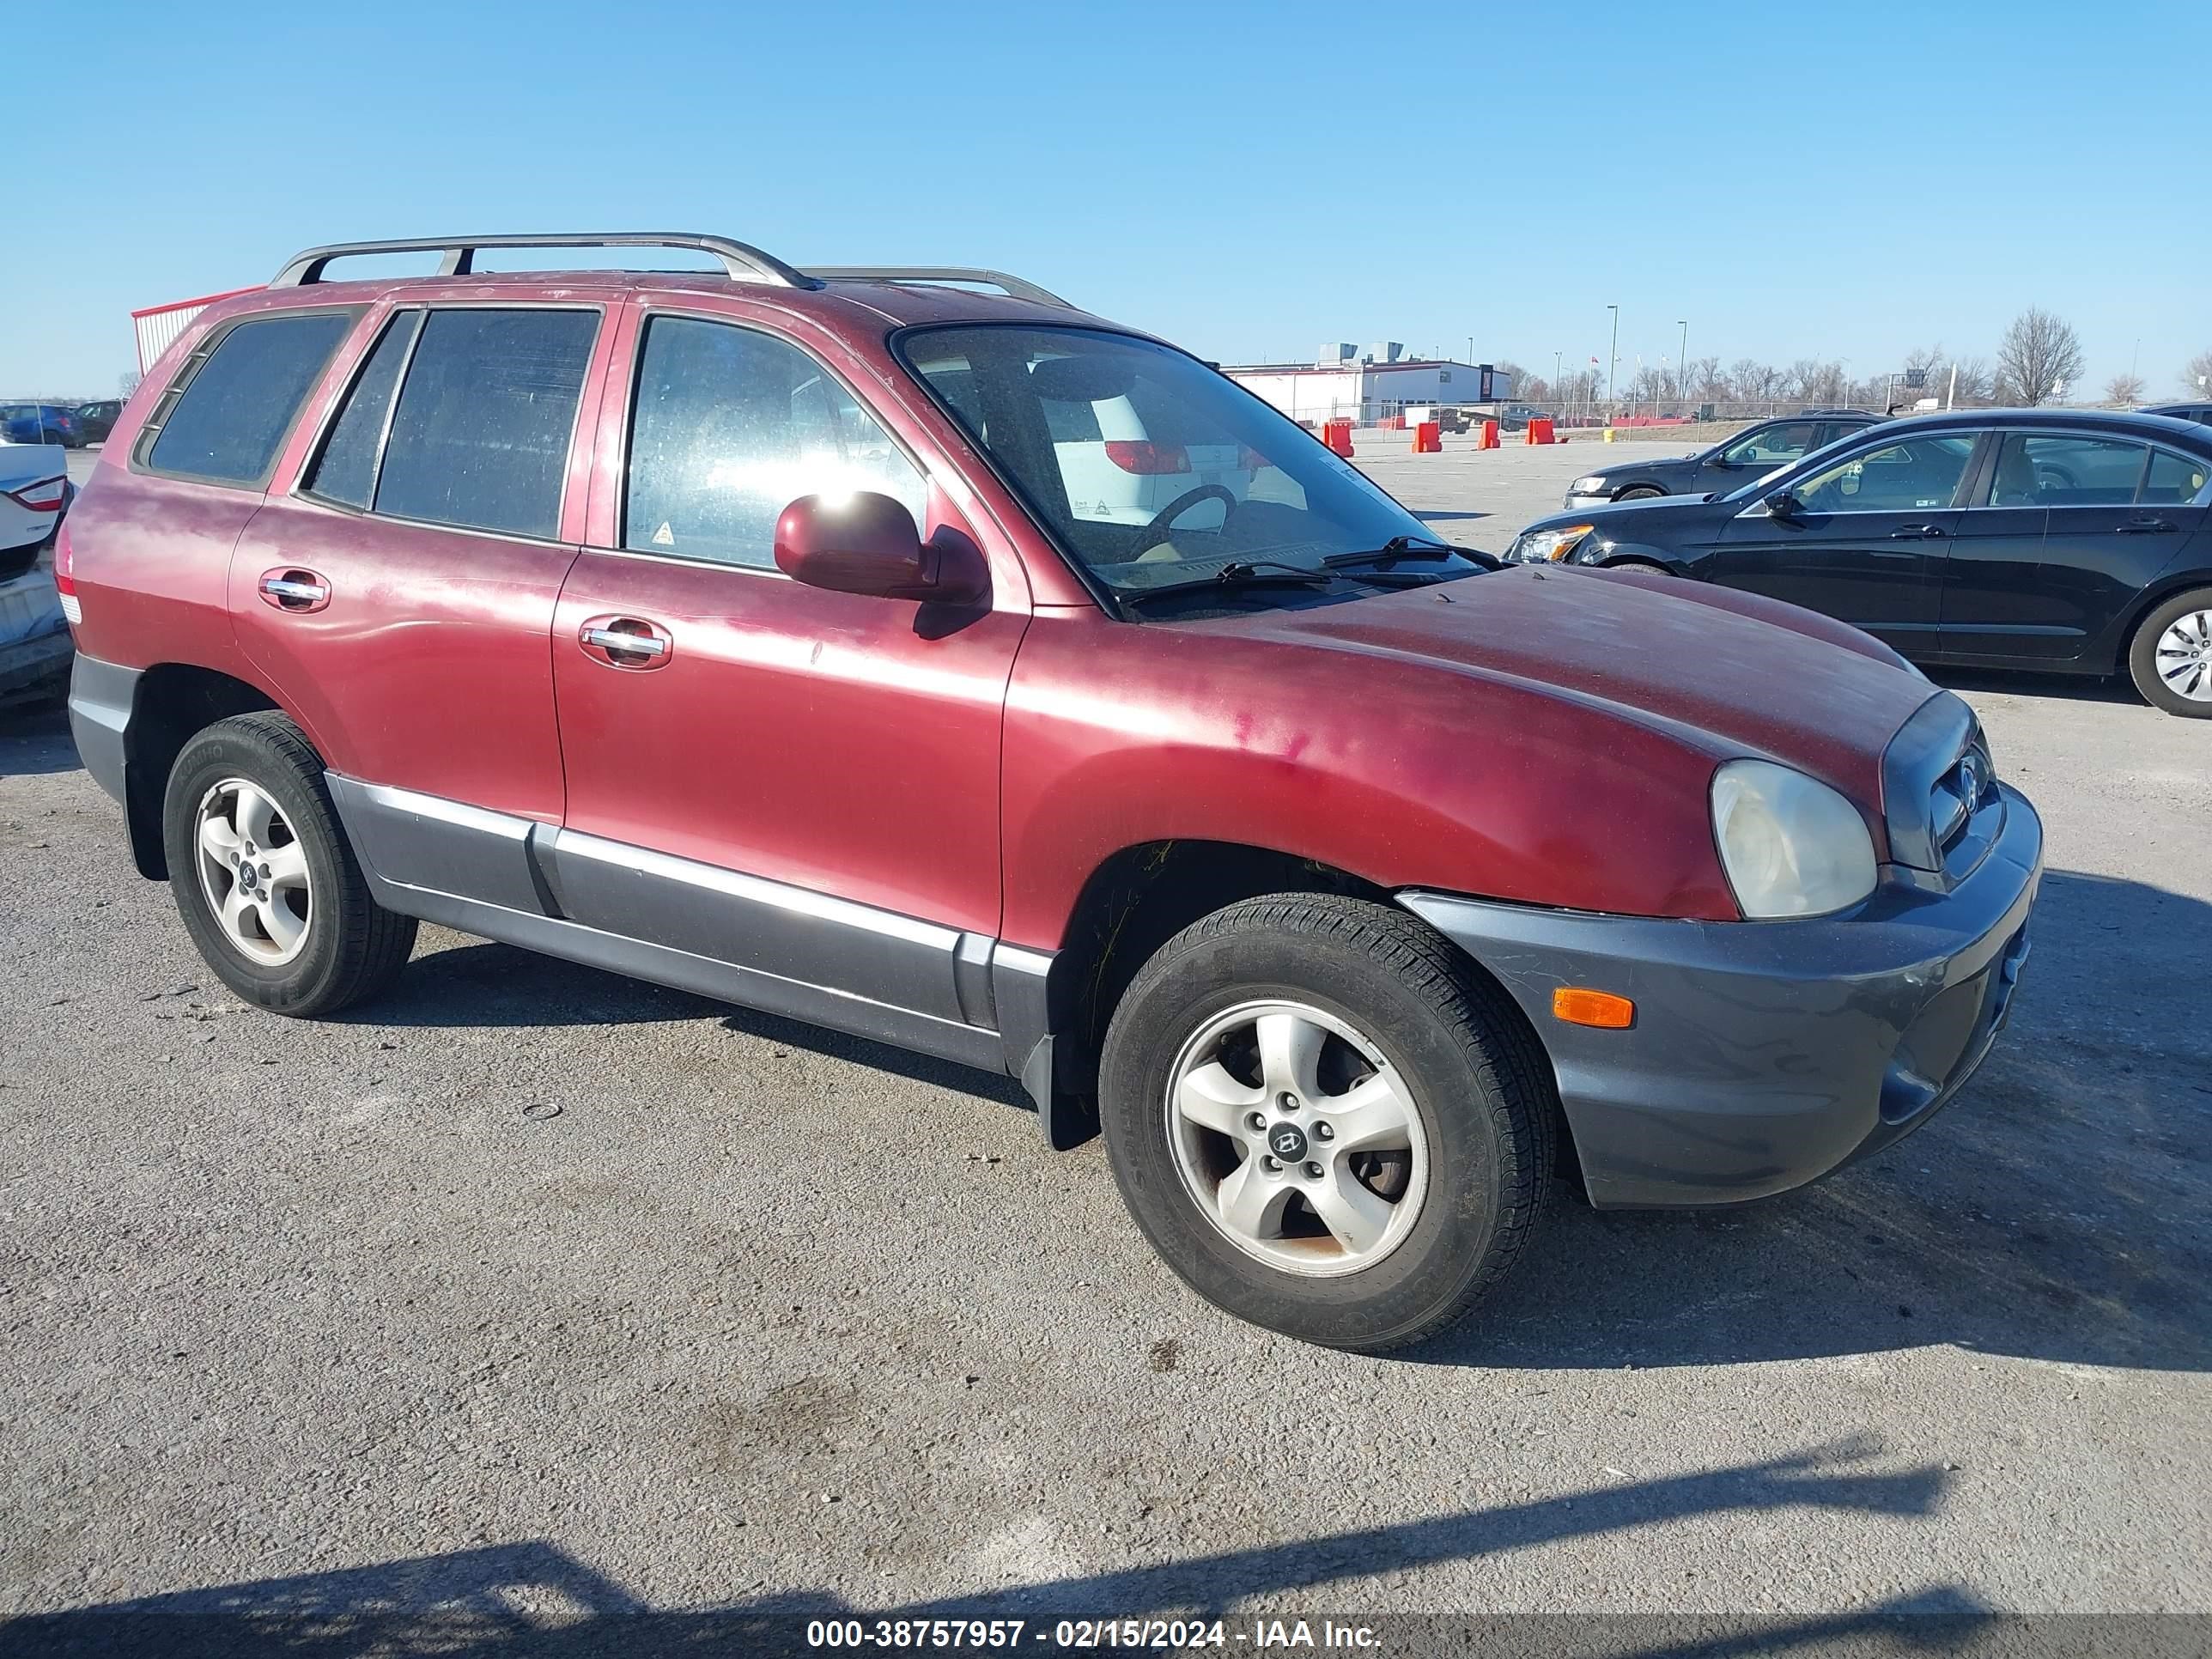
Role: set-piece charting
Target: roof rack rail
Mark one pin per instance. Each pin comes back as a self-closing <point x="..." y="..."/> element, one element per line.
<point x="745" y="263"/>
<point x="1014" y="286"/>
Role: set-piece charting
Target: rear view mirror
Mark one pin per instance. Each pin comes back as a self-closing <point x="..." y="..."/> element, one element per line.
<point x="1092" y="377"/>
<point x="868" y="544"/>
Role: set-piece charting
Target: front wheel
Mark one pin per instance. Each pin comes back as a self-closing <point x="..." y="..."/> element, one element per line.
<point x="267" y="883"/>
<point x="1324" y="1123"/>
<point x="2171" y="659"/>
<point x="1641" y="493"/>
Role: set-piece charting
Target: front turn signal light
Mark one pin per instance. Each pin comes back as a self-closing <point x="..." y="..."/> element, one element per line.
<point x="1578" y="1005"/>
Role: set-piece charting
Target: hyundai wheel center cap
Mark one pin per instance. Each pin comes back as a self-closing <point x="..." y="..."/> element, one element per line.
<point x="1288" y="1142"/>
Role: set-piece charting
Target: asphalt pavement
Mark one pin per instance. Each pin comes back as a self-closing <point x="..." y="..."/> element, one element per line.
<point x="533" y="1294"/>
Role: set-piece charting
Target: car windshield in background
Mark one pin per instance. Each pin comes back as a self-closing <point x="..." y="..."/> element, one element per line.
<point x="1834" y="446"/>
<point x="1147" y="466"/>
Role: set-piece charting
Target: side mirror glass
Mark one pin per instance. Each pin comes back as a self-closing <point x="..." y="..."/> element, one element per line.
<point x="1782" y="505"/>
<point x="866" y="543"/>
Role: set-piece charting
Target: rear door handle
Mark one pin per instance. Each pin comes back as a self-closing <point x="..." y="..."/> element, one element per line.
<point x="625" y="642"/>
<point x="288" y="587"/>
<point x="1916" y="533"/>
<point x="2144" y="526"/>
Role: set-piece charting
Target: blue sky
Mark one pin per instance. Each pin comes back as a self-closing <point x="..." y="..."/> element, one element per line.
<point x="1795" y="181"/>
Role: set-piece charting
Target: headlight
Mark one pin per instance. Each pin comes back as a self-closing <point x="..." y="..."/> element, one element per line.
<point x="1590" y="486"/>
<point x="1790" y="845"/>
<point x="1542" y="546"/>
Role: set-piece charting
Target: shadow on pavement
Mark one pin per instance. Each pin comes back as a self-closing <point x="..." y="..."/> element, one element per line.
<point x="533" y="1598"/>
<point x="2021" y="682"/>
<point x="34" y="740"/>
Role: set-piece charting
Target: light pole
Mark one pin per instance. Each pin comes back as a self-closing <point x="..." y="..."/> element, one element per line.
<point x="1682" y="365"/>
<point x="1613" y="362"/>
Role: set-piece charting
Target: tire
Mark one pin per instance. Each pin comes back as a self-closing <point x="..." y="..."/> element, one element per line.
<point x="1425" y="1036"/>
<point x="346" y="946"/>
<point x="1641" y="493"/>
<point x="2165" y="639"/>
<point x="1652" y="565"/>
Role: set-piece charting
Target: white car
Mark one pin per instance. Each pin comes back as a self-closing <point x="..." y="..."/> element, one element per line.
<point x="34" y="492"/>
<point x="1117" y="471"/>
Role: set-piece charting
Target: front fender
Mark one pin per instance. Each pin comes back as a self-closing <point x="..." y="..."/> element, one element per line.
<point x="1399" y="772"/>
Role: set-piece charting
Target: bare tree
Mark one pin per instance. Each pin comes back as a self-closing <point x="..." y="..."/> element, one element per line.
<point x="1707" y="383"/>
<point x="1753" y="381"/>
<point x="2039" y="354"/>
<point x="127" y="381"/>
<point x="2124" y="389"/>
<point x="2196" y="375"/>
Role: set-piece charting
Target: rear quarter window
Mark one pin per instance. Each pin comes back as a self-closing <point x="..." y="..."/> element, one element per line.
<point x="225" y="417"/>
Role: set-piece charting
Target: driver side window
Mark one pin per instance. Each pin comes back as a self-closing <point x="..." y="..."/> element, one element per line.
<point x="728" y="426"/>
<point x="1898" y="478"/>
<point x="1773" y="445"/>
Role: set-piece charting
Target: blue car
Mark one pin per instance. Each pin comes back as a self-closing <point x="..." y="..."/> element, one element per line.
<point x="40" y="423"/>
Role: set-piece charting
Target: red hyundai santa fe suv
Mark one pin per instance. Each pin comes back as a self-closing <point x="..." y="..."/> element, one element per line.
<point x="774" y="635"/>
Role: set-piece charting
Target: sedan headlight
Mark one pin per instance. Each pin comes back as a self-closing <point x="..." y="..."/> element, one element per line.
<point x="1592" y="485"/>
<point x="1546" y="546"/>
<point x="1790" y="845"/>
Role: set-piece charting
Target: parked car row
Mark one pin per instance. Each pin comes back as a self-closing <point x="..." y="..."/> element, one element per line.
<point x="72" y="426"/>
<point x="2063" y="540"/>
<point x="1347" y="879"/>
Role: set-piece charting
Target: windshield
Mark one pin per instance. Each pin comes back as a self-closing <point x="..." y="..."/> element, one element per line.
<point x="1146" y="465"/>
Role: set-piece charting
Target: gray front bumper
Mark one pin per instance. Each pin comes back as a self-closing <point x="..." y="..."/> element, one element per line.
<point x="1763" y="1055"/>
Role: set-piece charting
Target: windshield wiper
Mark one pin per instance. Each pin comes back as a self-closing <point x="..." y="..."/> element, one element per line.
<point x="1406" y="547"/>
<point x="1237" y="573"/>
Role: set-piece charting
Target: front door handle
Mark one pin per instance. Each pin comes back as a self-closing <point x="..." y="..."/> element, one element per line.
<point x="288" y="587"/>
<point x="2144" y="526"/>
<point x="625" y="642"/>
<point x="1916" y="533"/>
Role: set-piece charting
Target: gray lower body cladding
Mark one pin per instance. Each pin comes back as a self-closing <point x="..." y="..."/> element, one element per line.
<point x="718" y="932"/>
<point x="1765" y="1054"/>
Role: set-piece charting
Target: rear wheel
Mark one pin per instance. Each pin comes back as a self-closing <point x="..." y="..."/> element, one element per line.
<point x="268" y="887"/>
<point x="1324" y="1123"/>
<point x="2171" y="658"/>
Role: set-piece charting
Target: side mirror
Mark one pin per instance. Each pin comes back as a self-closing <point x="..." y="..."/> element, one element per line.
<point x="1720" y="461"/>
<point x="1783" y="505"/>
<point x="868" y="544"/>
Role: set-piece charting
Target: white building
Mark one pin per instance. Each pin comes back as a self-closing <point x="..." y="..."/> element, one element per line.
<point x="1377" y="384"/>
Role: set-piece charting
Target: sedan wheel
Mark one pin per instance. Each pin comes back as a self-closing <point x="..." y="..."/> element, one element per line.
<point x="2170" y="659"/>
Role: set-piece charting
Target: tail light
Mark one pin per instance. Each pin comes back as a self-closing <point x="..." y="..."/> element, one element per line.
<point x="65" y="577"/>
<point x="44" y="497"/>
<point x="1147" y="459"/>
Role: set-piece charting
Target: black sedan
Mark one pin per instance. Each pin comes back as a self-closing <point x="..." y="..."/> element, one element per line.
<point x="1750" y="453"/>
<point x="2057" y="539"/>
<point x="96" y="420"/>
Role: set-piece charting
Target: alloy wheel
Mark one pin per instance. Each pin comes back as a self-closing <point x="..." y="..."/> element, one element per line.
<point x="1296" y="1139"/>
<point x="254" y="873"/>
<point x="2185" y="656"/>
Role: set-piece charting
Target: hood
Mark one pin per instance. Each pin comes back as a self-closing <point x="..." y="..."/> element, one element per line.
<point x="1655" y="513"/>
<point x="1642" y="466"/>
<point x="1731" y="673"/>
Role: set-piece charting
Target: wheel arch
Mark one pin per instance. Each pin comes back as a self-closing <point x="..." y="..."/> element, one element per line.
<point x="2121" y="641"/>
<point x="171" y="702"/>
<point x="1142" y="895"/>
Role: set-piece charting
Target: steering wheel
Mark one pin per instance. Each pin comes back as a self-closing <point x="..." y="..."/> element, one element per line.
<point x="1157" y="530"/>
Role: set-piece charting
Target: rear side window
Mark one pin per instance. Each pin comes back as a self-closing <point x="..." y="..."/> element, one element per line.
<point x="2173" y="480"/>
<point x="480" y="437"/>
<point x="226" y="418"/>
<point x="2060" y="470"/>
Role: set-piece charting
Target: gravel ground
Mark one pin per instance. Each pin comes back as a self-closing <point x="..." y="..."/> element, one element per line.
<point x="530" y="1295"/>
